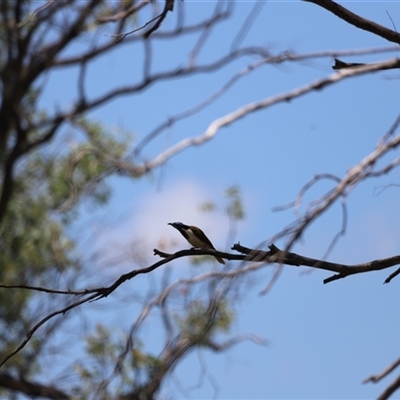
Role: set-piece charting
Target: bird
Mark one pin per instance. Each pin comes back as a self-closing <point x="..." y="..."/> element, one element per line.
<point x="196" y="237"/>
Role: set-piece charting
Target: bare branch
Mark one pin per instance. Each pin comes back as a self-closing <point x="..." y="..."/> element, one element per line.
<point x="356" y="175"/>
<point x="244" y="111"/>
<point x="357" y="21"/>
<point x="273" y="256"/>
<point x="393" y="387"/>
<point x="122" y="14"/>
<point x="278" y="256"/>
<point x="183" y="343"/>
<point x="383" y="374"/>
<point x="249" y="21"/>
<point x="121" y="36"/>
<point x="391" y="276"/>
<point x="45" y="290"/>
<point x="97" y="51"/>
<point x="31" y="388"/>
<point x="33" y="14"/>
<point x="43" y="321"/>
<point x="96" y="294"/>
<point x="205" y="34"/>
<point x="169" y="6"/>
<point x="266" y="59"/>
<point x="218" y="347"/>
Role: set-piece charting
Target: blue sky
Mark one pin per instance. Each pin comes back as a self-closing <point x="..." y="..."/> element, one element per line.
<point x="323" y="339"/>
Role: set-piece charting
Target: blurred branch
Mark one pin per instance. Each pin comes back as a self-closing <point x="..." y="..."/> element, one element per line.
<point x="122" y="14"/>
<point x="83" y="107"/>
<point x="266" y="59"/>
<point x="94" y="294"/>
<point x="42" y="57"/>
<point x="11" y="117"/>
<point x="383" y="374"/>
<point x="42" y="322"/>
<point x="365" y="169"/>
<point x="218" y="347"/>
<point x="205" y="34"/>
<point x="196" y="337"/>
<point x="395" y="385"/>
<point x="248" y="109"/>
<point x="247" y="24"/>
<point x="97" y="51"/>
<point x="31" y="388"/>
<point x="33" y="14"/>
<point x="45" y="290"/>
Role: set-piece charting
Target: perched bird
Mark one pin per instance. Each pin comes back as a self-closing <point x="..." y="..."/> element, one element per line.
<point x="196" y="237"/>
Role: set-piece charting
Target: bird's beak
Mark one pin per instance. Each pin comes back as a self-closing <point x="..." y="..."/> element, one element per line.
<point x="174" y="225"/>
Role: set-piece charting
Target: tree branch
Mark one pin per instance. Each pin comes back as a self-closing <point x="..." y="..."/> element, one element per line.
<point x="357" y="21"/>
<point x="383" y="374"/>
<point x="218" y="347"/>
<point x="248" y="109"/>
<point x="169" y="6"/>
<point x="266" y="59"/>
<point x="122" y="14"/>
<point x="275" y="255"/>
<point x="278" y="256"/>
<point x="31" y="389"/>
<point x="395" y="385"/>
<point x="97" y="51"/>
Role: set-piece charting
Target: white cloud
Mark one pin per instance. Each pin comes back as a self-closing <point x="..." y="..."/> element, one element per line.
<point x="147" y="226"/>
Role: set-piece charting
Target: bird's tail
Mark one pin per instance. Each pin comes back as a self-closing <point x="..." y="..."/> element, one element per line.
<point x="220" y="260"/>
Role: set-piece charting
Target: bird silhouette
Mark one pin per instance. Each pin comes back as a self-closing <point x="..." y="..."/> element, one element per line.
<point x="196" y="237"/>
